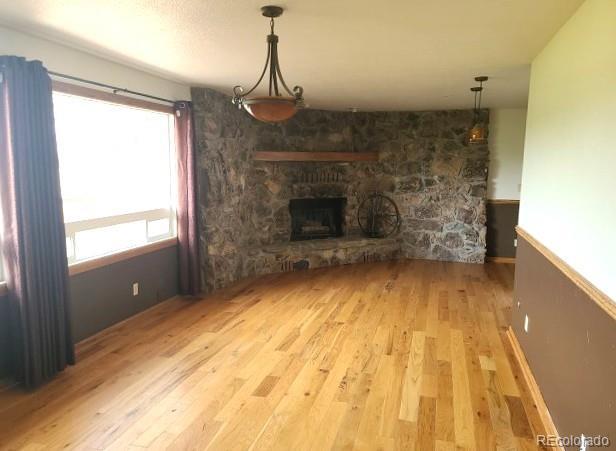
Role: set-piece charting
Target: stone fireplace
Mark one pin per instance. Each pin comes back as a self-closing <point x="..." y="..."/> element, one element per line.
<point x="259" y="217"/>
<point x="316" y="218"/>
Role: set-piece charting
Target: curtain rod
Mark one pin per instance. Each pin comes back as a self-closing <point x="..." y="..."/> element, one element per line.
<point x="114" y="88"/>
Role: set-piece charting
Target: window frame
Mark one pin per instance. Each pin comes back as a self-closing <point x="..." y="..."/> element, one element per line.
<point x="81" y="266"/>
<point x="90" y="93"/>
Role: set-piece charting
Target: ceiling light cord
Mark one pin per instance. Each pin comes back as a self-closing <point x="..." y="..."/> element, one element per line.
<point x="478" y="132"/>
<point x="480" y="93"/>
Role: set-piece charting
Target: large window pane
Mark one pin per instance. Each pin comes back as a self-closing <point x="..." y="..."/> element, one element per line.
<point x="117" y="174"/>
<point x="90" y="243"/>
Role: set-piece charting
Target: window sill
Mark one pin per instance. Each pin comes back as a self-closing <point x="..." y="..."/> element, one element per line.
<point x="106" y="260"/>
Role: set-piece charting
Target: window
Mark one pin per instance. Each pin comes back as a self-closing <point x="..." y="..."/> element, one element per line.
<point x="117" y="166"/>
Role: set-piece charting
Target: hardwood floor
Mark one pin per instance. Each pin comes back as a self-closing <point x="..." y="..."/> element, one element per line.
<point x="401" y="355"/>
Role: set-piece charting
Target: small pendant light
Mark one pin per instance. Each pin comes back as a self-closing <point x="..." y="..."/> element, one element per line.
<point x="478" y="133"/>
<point x="274" y="107"/>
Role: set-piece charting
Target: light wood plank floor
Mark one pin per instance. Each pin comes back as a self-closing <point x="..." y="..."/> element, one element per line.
<point x="401" y="355"/>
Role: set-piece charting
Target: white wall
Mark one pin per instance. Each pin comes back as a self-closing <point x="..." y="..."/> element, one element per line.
<point x="59" y="58"/>
<point x="506" y="142"/>
<point x="568" y="197"/>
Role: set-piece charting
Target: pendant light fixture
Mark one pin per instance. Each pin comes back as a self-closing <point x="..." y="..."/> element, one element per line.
<point x="478" y="134"/>
<point x="274" y="107"/>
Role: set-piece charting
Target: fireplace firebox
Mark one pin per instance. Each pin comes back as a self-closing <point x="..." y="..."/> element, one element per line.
<point x="316" y="218"/>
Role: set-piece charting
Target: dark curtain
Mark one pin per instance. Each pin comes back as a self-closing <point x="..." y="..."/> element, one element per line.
<point x="33" y="244"/>
<point x="187" y="209"/>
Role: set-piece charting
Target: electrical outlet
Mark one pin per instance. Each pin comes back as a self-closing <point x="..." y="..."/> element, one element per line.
<point x="515" y="242"/>
<point x="526" y="321"/>
<point x="135" y="288"/>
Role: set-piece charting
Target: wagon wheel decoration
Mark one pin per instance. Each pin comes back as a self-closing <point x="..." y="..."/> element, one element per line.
<point x="378" y="216"/>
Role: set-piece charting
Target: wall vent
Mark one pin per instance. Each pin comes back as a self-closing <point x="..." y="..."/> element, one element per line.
<point x="370" y="257"/>
<point x="286" y="266"/>
<point x="319" y="176"/>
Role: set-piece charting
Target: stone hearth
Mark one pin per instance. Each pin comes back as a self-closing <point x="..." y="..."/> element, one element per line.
<point x="298" y="255"/>
<point x="435" y="178"/>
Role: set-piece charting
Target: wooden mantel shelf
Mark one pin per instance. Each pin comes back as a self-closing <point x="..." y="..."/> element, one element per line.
<point x="315" y="156"/>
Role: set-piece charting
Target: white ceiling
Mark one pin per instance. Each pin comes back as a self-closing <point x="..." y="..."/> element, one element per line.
<point x="387" y="55"/>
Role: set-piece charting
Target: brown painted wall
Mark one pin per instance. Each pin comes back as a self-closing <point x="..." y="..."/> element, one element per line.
<point x="103" y="296"/>
<point x="570" y="346"/>
<point x="502" y="218"/>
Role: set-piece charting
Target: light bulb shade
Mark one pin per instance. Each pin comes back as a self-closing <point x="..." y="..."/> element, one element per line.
<point x="271" y="108"/>
<point x="478" y="134"/>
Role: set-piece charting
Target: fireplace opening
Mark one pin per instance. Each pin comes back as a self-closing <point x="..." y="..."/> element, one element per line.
<point x="316" y="218"/>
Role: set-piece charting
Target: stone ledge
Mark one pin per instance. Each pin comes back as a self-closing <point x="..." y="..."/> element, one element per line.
<point x="300" y="255"/>
<point x="325" y="244"/>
